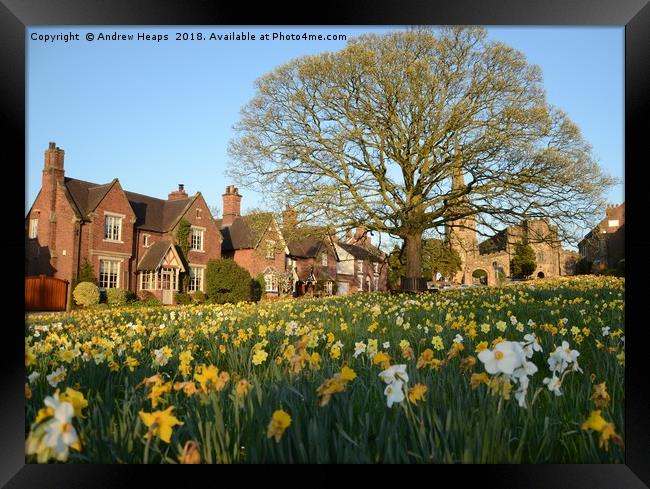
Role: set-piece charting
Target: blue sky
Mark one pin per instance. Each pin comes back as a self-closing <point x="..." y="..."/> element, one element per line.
<point x="156" y="114"/>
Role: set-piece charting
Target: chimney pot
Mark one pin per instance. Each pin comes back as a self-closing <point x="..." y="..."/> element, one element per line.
<point x="180" y="187"/>
<point x="52" y="145"/>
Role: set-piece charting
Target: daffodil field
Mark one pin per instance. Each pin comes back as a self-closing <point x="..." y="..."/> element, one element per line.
<point x="527" y="373"/>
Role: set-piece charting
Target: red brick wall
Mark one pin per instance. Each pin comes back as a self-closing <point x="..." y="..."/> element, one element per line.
<point x="94" y="244"/>
<point x="52" y="252"/>
<point x="211" y="235"/>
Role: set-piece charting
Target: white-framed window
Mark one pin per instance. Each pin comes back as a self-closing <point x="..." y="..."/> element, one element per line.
<point x="323" y="259"/>
<point x="109" y="273"/>
<point x="360" y="282"/>
<point x="375" y="267"/>
<point x="146" y="240"/>
<point x="196" y="242"/>
<point x="376" y="283"/>
<point x="33" y="228"/>
<point x="270" y="250"/>
<point x="112" y="228"/>
<point x="612" y="223"/>
<point x="271" y="282"/>
<point x="148" y="280"/>
<point x="329" y="287"/>
<point x="196" y="279"/>
<point x="359" y="267"/>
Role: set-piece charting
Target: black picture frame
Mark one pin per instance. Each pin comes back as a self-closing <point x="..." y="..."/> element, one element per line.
<point x="17" y="15"/>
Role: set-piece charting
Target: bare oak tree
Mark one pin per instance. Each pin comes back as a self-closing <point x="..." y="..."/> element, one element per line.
<point x="372" y="134"/>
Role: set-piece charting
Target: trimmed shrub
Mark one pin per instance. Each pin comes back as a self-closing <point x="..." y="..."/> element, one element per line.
<point x="182" y="298"/>
<point x="86" y="294"/>
<point x="258" y="286"/>
<point x="152" y="302"/>
<point x="117" y="297"/>
<point x="227" y="282"/>
<point x="198" y="296"/>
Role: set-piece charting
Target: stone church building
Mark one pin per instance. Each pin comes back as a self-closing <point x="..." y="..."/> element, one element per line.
<point x="485" y="262"/>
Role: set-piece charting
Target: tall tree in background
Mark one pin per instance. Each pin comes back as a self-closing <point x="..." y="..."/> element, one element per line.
<point x="372" y="134"/>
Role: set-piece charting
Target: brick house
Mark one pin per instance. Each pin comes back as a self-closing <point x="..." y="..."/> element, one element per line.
<point x="604" y="245"/>
<point x="312" y="256"/>
<point x="254" y="241"/>
<point x="361" y="266"/>
<point x="128" y="238"/>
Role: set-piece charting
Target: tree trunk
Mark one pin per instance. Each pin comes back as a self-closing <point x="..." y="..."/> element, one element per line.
<point x="413" y="252"/>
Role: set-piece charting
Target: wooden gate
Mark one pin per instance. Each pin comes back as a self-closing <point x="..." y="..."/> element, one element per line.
<point x="44" y="293"/>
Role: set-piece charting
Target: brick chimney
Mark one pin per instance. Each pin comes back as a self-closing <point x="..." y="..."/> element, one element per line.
<point x="178" y="194"/>
<point x="360" y="235"/>
<point x="231" y="205"/>
<point x="53" y="168"/>
<point x="289" y="218"/>
<point x="53" y="180"/>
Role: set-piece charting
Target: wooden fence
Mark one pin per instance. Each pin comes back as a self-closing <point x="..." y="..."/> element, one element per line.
<point x="44" y="293"/>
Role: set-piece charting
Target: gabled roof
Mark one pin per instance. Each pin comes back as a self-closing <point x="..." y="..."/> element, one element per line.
<point x="308" y="247"/>
<point x="155" y="255"/>
<point x="151" y="213"/>
<point x="368" y="252"/>
<point x="245" y="232"/>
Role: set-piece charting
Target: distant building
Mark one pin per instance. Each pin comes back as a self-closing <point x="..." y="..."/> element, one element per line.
<point x="485" y="261"/>
<point x="604" y="245"/>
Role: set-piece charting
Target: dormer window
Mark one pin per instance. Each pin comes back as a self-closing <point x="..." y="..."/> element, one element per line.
<point x="323" y="259"/>
<point x="113" y="227"/>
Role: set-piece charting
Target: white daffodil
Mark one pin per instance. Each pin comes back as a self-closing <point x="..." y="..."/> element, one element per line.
<point x="530" y="345"/>
<point x="605" y="331"/>
<point x="359" y="348"/>
<point x="160" y="357"/>
<point x="57" y="376"/>
<point x="386" y="345"/>
<point x="59" y="432"/>
<point x="513" y="320"/>
<point x="458" y="339"/>
<point x="553" y="384"/>
<point x="520" y="395"/>
<point x="394" y="392"/>
<point x="504" y="358"/>
<point x="33" y="376"/>
<point x="394" y="373"/>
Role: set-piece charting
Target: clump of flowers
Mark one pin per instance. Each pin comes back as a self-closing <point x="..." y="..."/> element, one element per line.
<point x="559" y="362"/>
<point x="509" y="360"/>
<point x="53" y="434"/>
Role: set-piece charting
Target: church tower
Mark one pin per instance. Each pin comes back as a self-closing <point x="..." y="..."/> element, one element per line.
<point x="461" y="233"/>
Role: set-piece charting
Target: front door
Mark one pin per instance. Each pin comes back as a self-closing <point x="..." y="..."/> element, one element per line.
<point x="167" y="291"/>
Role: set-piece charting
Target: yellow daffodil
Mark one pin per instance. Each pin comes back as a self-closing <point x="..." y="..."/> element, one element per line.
<point x="160" y="423"/>
<point x="280" y="421"/>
